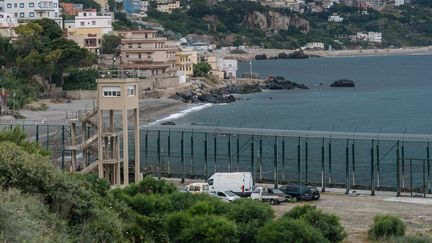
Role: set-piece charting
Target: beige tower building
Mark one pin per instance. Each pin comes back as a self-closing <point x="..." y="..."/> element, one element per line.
<point x="117" y="95"/>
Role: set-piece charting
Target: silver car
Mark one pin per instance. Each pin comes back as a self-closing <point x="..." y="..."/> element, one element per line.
<point x="228" y="196"/>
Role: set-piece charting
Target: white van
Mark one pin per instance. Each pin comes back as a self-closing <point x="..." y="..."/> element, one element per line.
<point x="241" y="183"/>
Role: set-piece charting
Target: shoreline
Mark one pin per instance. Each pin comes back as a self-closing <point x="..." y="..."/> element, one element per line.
<point x="251" y="53"/>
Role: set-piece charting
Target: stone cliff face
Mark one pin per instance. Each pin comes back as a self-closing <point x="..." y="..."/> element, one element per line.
<point x="275" y="21"/>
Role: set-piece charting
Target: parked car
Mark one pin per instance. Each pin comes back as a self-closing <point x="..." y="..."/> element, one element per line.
<point x="228" y="196"/>
<point x="300" y="192"/>
<point x="197" y="188"/>
<point x="314" y="192"/>
<point x="240" y="183"/>
<point x="267" y="195"/>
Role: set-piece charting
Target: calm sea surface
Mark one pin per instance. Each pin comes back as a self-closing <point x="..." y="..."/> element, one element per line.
<point x="392" y="94"/>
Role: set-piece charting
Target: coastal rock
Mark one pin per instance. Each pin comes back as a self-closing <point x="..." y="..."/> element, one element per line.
<point x="343" y="83"/>
<point x="280" y="83"/>
<point x="261" y="57"/>
<point x="295" y="55"/>
<point x="276" y="21"/>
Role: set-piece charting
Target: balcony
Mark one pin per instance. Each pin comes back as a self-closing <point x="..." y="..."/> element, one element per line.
<point x="136" y="59"/>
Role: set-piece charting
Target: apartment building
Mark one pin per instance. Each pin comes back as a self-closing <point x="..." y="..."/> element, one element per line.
<point x="151" y="55"/>
<point x="168" y="7"/>
<point x="88" y="29"/>
<point x="28" y="10"/>
<point x="186" y="58"/>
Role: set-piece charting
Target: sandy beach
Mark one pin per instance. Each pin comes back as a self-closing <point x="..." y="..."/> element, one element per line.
<point x="150" y="109"/>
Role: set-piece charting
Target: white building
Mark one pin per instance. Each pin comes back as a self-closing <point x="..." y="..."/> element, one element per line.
<point x="91" y="20"/>
<point x="335" y="18"/>
<point x="314" y="45"/>
<point x="228" y="67"/>
<point x="399" y="2"/>
<point x="28" y="10"/>
<point x="168" y="7"/>
<point x="7" y="25"/>
<point x="375" y="37"/>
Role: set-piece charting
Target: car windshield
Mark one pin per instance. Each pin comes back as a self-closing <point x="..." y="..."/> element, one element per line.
<point x="229" y="193"/>
<point x="277" y="191"/>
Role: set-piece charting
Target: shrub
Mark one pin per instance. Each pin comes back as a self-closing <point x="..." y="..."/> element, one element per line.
<point x="208" y="229"/>
<point x="327" y="223"/>
<point x="385" y="226"/>
<point x="151" y="185"/>
<point x="153" y="204"/>
<point x="289" y="230"/>
<point x="249" y="215"/>
<point x="23" y="218"/>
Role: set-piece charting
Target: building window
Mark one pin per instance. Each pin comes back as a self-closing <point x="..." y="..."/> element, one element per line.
<point x="55" y="5"/>
<point x="139" y="56"/>
<point x="16" y="15"/>
<point x="130" y="46"/>
<point x="9" y="5"/>
<point x="139" y="45"/>
<point x="111" y="91"/>
<point x="31" y="5"/>
<point x="131" y="90"/>
<point x="21" y="5"/>
<point x="85" y="14"/>
<point x="21" y="15"/>
<point x="82" y="23"/>
<point x="148" y="55"/>
<point x="93" y="22"/>
<point x="15" y="5"/>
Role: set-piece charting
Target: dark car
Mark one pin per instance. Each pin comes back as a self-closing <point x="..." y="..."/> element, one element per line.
<point x="315" y="193"/>
<point x="278" y="192"/>
<point x="298" y="191"/>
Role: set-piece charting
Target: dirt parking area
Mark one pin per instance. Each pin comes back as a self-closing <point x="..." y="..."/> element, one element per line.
<point x="356" y="213"/>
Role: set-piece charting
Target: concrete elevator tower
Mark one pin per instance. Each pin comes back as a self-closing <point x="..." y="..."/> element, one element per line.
<point x="117" y="98"/>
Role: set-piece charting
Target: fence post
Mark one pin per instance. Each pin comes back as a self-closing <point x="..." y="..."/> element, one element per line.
<point x="378" y="164"/>
<point x="215" y="153"/>
<point x="238" y="151"/>
<point x="182" y="157"/>
<point x="353" y="163"/>
<point x="206" y="156"/>
<point x="169" y="152"/>
<point x="229" y="153"/>
<point x="323" y="182"/>
<point x="398" y="179"/>
<point x="159" y="155"/>
<point x="253" y="159"/>
<point x="298" y="164"/>
<point x="37" y="133"/>
<point x="428" y="168"/>
<point x="403" y="165"/>
<point x="260" y="158"/>
<point x="306" y="161"/>
<point x="347" y="181"/>
<point x="192" y="153"/>
<point x="63" y="147"/>
<point x="372" y="171"/>
<point x="47" y="137"/>
<point x="283" y="159"/>
<point x="424" y="179"/>
<point x="330" y="161"/>
<point x="411" y="180"/>
<point x="275" y="167"/>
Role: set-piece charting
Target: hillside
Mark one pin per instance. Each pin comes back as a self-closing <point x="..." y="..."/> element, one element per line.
<point x="248" y="23"/>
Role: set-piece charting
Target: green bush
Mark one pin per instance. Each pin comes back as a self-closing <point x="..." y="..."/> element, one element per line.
<point x="249" y="215"/>
<point x="153" y="204"/>
<point x="150" y="185"/>
<point x="327" y="223"/>
<point x="208" y="229"/>
<point x="385" y="226"/>
<point x="23" y="218"/>
<point x="289" y="230"/>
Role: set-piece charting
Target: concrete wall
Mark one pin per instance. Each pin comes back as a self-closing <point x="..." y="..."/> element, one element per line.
<point x="81" y="94"/>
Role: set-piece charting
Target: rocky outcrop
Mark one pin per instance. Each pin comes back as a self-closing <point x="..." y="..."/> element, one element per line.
<point x="343" y="83"/>
<point x="280" y="83"/>
<point x="275" y="21"/>
<point x="295" y="55"/>
<point x="224" y="94"/>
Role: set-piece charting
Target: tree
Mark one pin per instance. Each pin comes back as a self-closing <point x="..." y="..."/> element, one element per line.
<point x="110" y="44"/>
<point x="289" y="230"/>
<point x="201" y="69"/>
<point x="327" y="223"/>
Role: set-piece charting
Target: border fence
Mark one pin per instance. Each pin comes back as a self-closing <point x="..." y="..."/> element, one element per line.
<point x="372" y="161"/>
